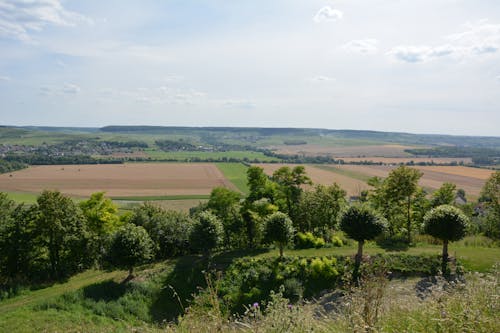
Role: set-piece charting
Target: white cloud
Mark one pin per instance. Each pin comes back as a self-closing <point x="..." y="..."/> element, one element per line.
<point x="239" y="104"/>
<point x="321" y="78"/>
<point x="4" y="78"/>
<point x="327" y="13"/>
<point x="19" y="18"/>
<point x="477" y="39"/>
<point x="70" y="88"/>
<point x="366" y="46"/>
<point x="66" y="89"/>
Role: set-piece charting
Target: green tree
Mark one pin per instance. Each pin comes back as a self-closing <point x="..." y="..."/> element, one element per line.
<point x="254" y="215"/>
<point x="279" y="230"/>
<point x="319" y="209"/>
<point x="361" y="224"/>
<point x="130" y="247"/>
<point x="394" y="193"/>
<point x="289" y="183"/>
<point x="225" y="204"/>
<point x="207" y="233"/>
<point x="445" y="195"/>
<point x="63" y="231"/>
<point x="101" y="213"/>
<point x="170" y="232"/>
<point x="257" y="183"/>
<point x="490" y="198"/>
<point x="446" y="223"/>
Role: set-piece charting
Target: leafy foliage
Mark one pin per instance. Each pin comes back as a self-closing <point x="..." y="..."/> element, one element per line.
<point x="279" y="229"/>
<point x="207" y="233"/>
<point x="131" y="246"/>
<point x="446" y="222"/>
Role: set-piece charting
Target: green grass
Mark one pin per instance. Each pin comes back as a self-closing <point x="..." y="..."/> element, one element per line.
<point x="20" y="197"/>
<point x="74" y="283"/>
<point x="188" y="155"/>
<point x="236" y="173"/>
<point x="480" y="259"/>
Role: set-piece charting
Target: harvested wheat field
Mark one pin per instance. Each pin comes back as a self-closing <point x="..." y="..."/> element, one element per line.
<point x="399" y="160"/>
<point x="136" y="179"/>
<point x="470" y="179"/>
<point x="345" y="151"/>
<point x="319" y="176"/>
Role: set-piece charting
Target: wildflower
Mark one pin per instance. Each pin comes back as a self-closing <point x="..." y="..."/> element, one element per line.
<point x="255" y="305"/>
<point x="290" y="306"/>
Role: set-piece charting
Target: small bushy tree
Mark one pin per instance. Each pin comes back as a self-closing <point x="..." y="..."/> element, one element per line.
<point x="361" y="224"/>
<point x="447" y="223"/>
<point x="207" y="233"/>
<point x="279" y="229"/>
<point x="131" y="246"/>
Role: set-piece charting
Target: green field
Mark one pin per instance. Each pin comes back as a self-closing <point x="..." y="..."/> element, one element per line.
<point x="189" y="155"/>
<point x="236" y="173"/>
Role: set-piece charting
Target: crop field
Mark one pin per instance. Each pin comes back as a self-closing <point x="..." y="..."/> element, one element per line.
<point x="118" y="180"/>
<point x="399" y="160"/>
<point x="318" y="175"/>
<point x="204" y="155"/>
<point x="362" y="151"/>
<point x="470" y="179"/>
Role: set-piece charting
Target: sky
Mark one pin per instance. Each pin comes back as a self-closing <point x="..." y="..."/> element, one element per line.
<point x="426" y="66"/>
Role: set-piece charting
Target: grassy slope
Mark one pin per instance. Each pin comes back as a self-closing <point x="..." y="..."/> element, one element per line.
<point x="91" y="301"/>
<point x="236" y="173"/>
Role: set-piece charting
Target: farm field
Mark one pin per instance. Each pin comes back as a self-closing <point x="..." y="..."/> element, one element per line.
<point x="399" y="160"/>
<point x="357" y="151"/>
<point x="318" y="175"/>
<point x="470" y="179"/>
<point x="118" y="180"/>
<point x="187" y="155"/>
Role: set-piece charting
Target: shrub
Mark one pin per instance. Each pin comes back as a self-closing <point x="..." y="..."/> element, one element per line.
<point x="307" y="241"/>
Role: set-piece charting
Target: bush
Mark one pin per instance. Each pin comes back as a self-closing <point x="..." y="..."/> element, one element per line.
<point x="337" y="242"/>
<point x="308" y="241"/>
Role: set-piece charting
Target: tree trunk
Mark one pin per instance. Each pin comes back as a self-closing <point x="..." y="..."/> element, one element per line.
<point x="445" y="258"/>
<point x="130" y="272"/>
<point x="281" y="251"/>
<point x="408" y="223"/>
<point x="359" y="255"/>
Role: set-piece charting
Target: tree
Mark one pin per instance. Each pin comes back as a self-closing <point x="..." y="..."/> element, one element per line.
<point x="279" y="230"/>
<point x="225" y="204"/>
<point x="290" y="182"/>
<point x="207" y="233"/>
<point x="101" y="213"/>
<point x="257" y="183"/>
<point x="62" y="229"/>
<point x="102" y="221"/>
<point x="130" y="247"/>
<point x="170" y="232"/>
<point x="490" y="197"/>
<point x="399" y="188"/>
<point x="361" y="224"/>
<point x="319" y="209"/>
<point x="446" y="223"/>
<point x="445" y="195"/>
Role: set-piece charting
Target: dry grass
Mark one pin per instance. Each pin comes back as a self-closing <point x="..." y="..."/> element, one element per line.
<point x="136" y="179"/>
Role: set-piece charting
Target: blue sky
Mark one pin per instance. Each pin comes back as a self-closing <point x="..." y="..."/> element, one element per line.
<point x="427" y="66"/>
